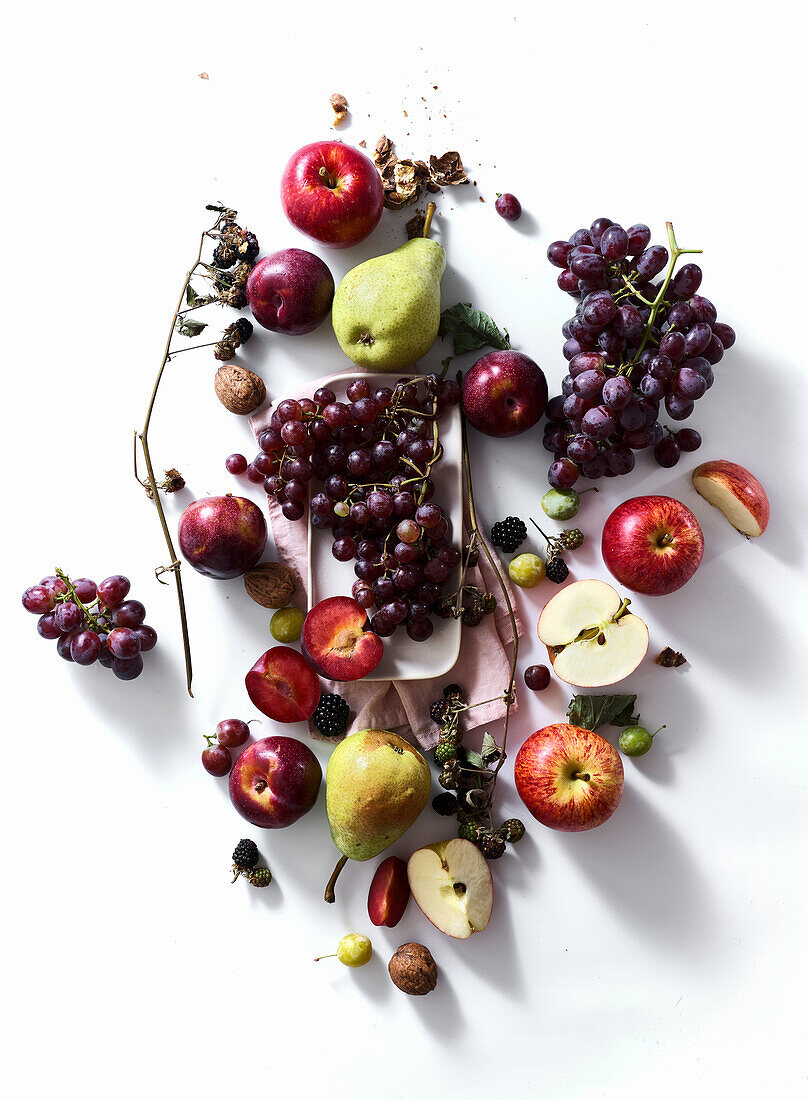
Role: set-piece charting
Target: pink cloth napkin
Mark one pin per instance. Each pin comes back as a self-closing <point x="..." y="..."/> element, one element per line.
<point x="403" y="705"/>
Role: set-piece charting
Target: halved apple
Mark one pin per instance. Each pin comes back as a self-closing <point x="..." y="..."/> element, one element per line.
<point x="591" y="638"/>
<point x="736" y="492"/>
<point x="452" y="884"/>
<point x="337" y="640"/>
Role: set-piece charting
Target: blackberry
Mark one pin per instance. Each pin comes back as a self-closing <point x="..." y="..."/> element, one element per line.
<point x="445" y="751"/>
<point x="508" y="534"/>
<point x="248" y="247"/>
<point x="453" y="690"/>
<point x="572" y="539"/>
<point x="244" y="329"/>
<point x="224" y="256"/>
<point x="261" y="876"/>
<point x="245" y="854"/>
<point x="331" y="716"/>
<point x="511" y="830"/>
<point x="437" y="712"/>
<point x="468" y="831"/>
<point x="557" y="571"/>
<point x="491" y="845"/>
<point x="445" y="804"/>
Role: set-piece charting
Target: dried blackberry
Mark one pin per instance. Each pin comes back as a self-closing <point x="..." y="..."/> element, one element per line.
<point x="454" y="691"/>
<point x="437" y="712"/>
<point x="244" y="329"/>
<point x="224" y="255"/>
<point x="508" y="534"/>
<point x="491" y="845"/>
<point x="445" y="804"/>
<point x="331" y="716"/>
<point x="511" y="830"/>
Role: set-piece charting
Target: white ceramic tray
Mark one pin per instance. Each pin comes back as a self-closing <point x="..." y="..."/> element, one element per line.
<point x="403" y="658"/>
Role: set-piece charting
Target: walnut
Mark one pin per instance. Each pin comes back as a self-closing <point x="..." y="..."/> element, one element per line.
<point x="238" y="389"/>
<point x="340" y="107"/>
<point x="415" y="226"/>
<point x="413" y="969"/>
<point x="669" y="658"/>
<point x="270" y="584"/>
<point x="447" y="169"/>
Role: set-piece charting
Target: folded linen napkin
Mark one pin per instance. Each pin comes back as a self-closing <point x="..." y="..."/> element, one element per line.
<point x="403" y="705"/>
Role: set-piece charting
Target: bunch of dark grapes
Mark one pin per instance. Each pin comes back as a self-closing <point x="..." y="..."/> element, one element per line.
<point x="91" y="622"/>
<point x="373" y="454"/>
<point x="635" y="346"/>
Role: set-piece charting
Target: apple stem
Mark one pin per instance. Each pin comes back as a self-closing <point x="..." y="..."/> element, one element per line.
<point x="329" y="890"/>
<point x="327" y="178"/>
<point x="662" y="727"/>
<point x="430" y="211"/>
<point x="666" y="539"/>
<point x="582" y="775"/>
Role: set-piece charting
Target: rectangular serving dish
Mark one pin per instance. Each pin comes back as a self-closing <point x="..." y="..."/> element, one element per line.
<point x="403" y="658"/>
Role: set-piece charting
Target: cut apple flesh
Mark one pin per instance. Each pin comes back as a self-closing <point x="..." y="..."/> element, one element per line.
<point x="591" y="639"/>
<point x="452" y="885"/>
<point x="723" y="497"/>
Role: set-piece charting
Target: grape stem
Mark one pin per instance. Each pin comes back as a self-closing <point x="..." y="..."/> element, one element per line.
<point x="70" y="596"/>
<point x="676" y="252"/>
<point x="223" y="214"/>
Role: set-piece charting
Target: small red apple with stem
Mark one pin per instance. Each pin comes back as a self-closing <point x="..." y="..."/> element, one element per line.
<point x="332" y="192"/>
<point x="504" y="393"/>
<point x="652" y="544"/>
<point x="275" y="781"/>
<point x="569" y="777"/>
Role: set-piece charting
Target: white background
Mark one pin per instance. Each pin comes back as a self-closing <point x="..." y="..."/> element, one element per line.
<point x="658" y="955"/>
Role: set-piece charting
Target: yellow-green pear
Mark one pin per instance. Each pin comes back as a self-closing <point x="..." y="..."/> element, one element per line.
<point x="376" y="786"/>
<point x="386" y="311"/>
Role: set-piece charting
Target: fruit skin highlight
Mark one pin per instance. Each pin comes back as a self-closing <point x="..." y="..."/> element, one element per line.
<point x="652" y="544"/>
<point x="569" y="778"/>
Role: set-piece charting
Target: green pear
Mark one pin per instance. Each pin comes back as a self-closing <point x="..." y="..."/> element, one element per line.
<point x="386" y="311"/>
<point x="376" y="786"/>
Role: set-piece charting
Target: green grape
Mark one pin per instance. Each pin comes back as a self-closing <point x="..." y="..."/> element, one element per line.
<point x="561" y="503"/>
<point x="286" y="624"/>
<point x="526" y="570"/>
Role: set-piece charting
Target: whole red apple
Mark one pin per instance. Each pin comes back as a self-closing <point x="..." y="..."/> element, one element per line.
<point x="332" y="192"/>
<point x="569" y="777"/>
<point x="504" y="393"/>
<point x="290" y="291"/>
<point x="652" y="544"/>
<point x="275" y="781"/>
<point x="222" y="537"/>
<point x="283" y="685"/>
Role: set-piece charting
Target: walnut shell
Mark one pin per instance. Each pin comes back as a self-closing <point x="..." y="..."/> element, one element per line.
<point x="270" y="584"/>
<point x="238" y="389"/>
<point x="413" y="969"/>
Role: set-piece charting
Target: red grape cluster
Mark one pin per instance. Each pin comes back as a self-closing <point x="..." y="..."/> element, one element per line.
<point x="373" y="454"/>
<point x="91" y="622"/>
<point x="633" y="346"/>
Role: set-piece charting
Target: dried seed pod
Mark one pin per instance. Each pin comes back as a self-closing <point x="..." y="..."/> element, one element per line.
<point x="270" y="584"/>
<point x="238" y="389"/>
<point x="413" y="969"/>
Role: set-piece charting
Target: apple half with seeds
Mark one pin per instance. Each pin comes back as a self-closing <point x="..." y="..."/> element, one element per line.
<point x="736" y="492"/>
<point x="452" y="884"/>
<point x="591" y="638"/>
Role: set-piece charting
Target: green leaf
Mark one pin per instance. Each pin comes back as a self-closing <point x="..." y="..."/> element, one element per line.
<point x="190" y="295"/>
<point x="591" y="711"/>
<point x="473" y="759"/>
<point x="489" y="747"/>
<point x="472" y="329"/>
<point x="186" y="327"/>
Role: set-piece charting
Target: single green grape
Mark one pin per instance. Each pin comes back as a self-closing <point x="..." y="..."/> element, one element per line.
<point x="352" y="950"/>
<point x="526" y="570"/>
<point x="561" y="503"/>
<point x="635" y="741"/>
<point x="286" y="624"/>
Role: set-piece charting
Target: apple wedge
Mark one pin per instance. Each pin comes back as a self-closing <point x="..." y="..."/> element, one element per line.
<point x="736" y="493"/>
<point x="591" y="638"/>
<point x="452" y="886"/>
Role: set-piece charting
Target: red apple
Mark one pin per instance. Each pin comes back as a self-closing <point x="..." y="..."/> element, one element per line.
<point x="222" y="537"/>
<point x="337" y="641"/>
<point x="332" y="192"/>
<point x="504" y="393"/>
<point x="283" y="686"/>
<point x="389" y="892"/>
<point x="569" y="777"/>
<point x="275" y="781"/>
<point x="290" y="291"/>
<point x="652" y="544"/>
<point x="735" y="492"/>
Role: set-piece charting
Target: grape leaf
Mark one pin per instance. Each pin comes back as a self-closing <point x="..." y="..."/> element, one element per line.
<point x="186" y="327"/>
<point x="472" y="329"/>
<point x="591" y="711"/>
<point x="473" y="759"/>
